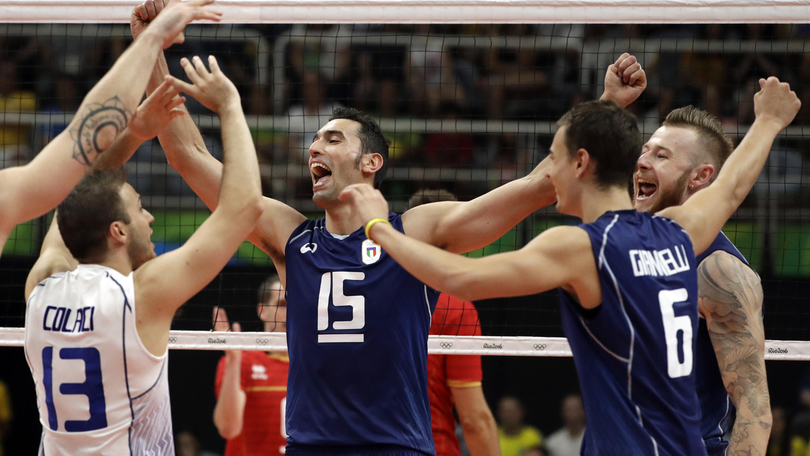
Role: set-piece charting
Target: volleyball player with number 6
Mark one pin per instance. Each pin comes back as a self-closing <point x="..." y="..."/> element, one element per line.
<point x="96" y="336"/>
<point x="627" y="279"/>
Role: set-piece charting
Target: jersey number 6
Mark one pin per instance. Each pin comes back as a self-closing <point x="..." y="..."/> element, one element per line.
<point x="672" y="324"/>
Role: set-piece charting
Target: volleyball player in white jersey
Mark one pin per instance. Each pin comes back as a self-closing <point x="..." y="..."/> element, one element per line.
<point x="29" y="191"/>
<point x="96" y="336"/>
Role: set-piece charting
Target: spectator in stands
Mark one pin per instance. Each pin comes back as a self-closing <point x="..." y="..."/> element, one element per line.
<point x="251" y="386"/>
<point x="306" y="118"/>
<point x="316" y="47"/>
<point x="448" y="149"/>
<point x="456" y="379"/>
<point x="66" y="100"/>
<point x="538" y="451"/>
<point x="778" y="444"/>
<point x="365" y="91"/>
<point x="187" y="444"/>
<point x="568" y="440"/>
<point x="14" y="139"/>
<point x="516" y="437"/>
<point x="431" y="74"/>
<point x="514" y="81"/>
<point x="5" y="414"/>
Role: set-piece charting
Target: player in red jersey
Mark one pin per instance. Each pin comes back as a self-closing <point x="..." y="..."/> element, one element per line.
<point x="456" y="379"/>
<point x="251" y="386"/>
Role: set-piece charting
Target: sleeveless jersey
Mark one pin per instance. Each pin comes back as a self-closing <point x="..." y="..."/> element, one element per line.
<point x="634" y="353"/>
<point x="715" y="405"/>
<point x="99" y="391"/>
<point x="357" y="330"/>
<point x="264" y="380"/>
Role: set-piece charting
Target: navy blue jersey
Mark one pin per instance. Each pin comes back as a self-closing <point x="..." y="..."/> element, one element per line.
<point x="715" y="405"/>
<point x="634" y="352"/>
<point x="357" y="331"/>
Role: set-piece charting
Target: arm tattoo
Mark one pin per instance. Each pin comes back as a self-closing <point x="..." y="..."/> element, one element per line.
<point x="730" y="296"/>
<point x="110" y="116"/>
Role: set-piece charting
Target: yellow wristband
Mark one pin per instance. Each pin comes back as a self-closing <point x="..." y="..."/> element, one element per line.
<point x="371" y="223"/>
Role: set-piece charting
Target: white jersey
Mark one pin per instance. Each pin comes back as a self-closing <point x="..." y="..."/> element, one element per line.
<point x="99" y="391"/>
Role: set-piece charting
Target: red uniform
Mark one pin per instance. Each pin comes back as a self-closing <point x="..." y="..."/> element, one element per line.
<point x="451" y="318"/>
<point x="264" y="381"/>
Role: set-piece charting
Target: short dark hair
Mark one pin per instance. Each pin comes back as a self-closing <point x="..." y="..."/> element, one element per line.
<point x="714" y="141"/>
<point x="266" y="288"/>
<point x="609" y="134"/>
<point x="371" y="137"/>
<point x="86" y="214"/>
<point x="429" y="195"/>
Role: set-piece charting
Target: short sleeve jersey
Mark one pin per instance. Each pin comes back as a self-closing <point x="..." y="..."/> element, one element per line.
<point x="451" y="318"/>
<point x="357" y="329"/>
<point x="715" y="404"/>
<point x="264" y="380"/>
<point x="634" y="353"/>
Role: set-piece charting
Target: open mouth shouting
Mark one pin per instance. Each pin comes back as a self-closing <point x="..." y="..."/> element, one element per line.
<point x="644" y="189"/>
<point x="321" y="174"/>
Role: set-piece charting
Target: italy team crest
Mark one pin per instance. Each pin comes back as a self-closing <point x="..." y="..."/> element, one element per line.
<point x="370" y="252"/>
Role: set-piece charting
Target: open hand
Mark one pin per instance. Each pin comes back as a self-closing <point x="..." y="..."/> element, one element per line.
<point x="221" y="324"/>
<point x="173" y="18"/>
<point x="776" y="102"/>
<point x="213" y="89"/>
<point x="625" y="80"/>
<point x="155" y="113"/>
<point x="367" y="202"/>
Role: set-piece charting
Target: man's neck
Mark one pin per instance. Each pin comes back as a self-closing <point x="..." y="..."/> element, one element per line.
<point x="574" y="431"/>
<point x="341" y="220"/>
<point x="596" y="201"/>
<point x="118" y="261"/>
<point x="512" y="430"/>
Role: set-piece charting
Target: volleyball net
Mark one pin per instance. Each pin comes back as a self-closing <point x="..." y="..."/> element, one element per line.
<point x="468" y="92"/>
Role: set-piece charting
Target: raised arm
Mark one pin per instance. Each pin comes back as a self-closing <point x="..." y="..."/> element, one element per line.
<point x="152" y="116"/>
<point x="188" y="155"/>
<point x="54" y="257"/>
<point x="625" y="81"/>
<point x="461" y="227"/>
<point x="556" y="258"/>
<point x="730" y="298"/>
<point x="165" y="283"/>
<point x="230" y="408"/>
<point x="32" y="190"/>
<point x="705" y="213"/>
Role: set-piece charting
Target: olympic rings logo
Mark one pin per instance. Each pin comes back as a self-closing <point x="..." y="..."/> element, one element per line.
<point x="446" y="345"/>
<point x="262" y="341"/>
<point x="539" y="346"/>
<point x="172" y="340"/>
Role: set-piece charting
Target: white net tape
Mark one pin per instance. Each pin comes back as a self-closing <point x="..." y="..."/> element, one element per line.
<point x="784" y="350"/>
<point x="435" y="11"/>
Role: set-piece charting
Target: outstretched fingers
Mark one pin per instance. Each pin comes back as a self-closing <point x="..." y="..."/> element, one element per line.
<point x="199" y="67"/>
<point x="212" y="62"/>
<point x="191" y="71"/>
<point x="181" y="86"/>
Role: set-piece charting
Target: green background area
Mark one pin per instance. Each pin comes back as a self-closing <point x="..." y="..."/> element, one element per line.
<point x="790" y="251"/>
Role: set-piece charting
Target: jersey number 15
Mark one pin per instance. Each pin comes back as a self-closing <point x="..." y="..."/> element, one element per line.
<point x="332" y="286"/>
